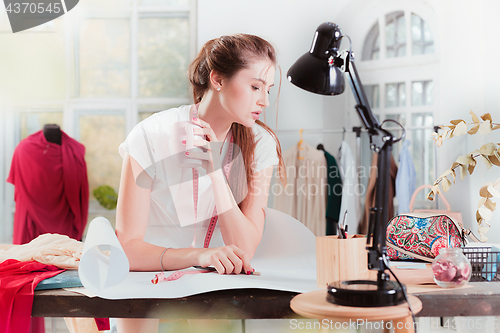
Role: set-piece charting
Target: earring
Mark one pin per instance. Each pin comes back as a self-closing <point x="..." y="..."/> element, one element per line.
<point x="218" y="89"/>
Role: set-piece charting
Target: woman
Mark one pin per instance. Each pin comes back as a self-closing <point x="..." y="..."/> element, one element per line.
<point x="231" y="79"/>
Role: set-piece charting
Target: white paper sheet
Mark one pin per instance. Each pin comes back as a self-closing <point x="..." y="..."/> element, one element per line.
<point x="286" y="258"/>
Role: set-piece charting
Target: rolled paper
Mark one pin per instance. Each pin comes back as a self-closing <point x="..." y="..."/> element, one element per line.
<point x="98" y="270"/>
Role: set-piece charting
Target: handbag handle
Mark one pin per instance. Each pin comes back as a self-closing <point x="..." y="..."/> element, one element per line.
<point x="420" y="188"/>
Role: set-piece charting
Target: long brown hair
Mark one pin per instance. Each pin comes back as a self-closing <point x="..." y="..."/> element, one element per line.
<point x="227" y="55"/>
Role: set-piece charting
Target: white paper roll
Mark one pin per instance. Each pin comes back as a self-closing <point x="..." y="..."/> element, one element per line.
<point x="97" y="270"/>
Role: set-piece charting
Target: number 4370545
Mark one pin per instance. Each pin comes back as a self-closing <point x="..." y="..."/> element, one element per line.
<point x="469" y="323"/>
<point x="33" y="8"/>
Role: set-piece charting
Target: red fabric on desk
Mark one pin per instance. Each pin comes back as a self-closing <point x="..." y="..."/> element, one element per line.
<point x="18" y="280"/>
<point x="51" y="188"/>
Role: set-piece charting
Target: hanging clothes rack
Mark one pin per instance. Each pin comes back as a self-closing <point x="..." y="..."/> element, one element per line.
<point x="358" y="131"/>
<point x="313" y="131"/>
<point x="342" y="131"/>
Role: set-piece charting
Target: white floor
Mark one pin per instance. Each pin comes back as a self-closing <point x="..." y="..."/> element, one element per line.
<point x="424" y="325"/>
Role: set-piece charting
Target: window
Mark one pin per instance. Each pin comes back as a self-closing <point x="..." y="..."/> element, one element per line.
<point x="421" y="36"/>
<point x="422" y="146"/>
<point x="125" y="60"/>
<point x="141" y="56"/>
<point x="163" y="56"/>
<point x="373" y="95"/>
<point x="401" y="66"/>
<point x="101" y="133"/>
<point x="395" y="35"/>
<point x="395" y="94"/>
<point x="104" y="58"/>
<point x="422" y="93"/>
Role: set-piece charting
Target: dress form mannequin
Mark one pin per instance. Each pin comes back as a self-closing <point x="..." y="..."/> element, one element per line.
<point x="52" y="133"/>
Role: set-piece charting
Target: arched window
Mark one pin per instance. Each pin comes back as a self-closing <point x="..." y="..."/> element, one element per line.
<point x="400" y="67"/>
<point x="395" y="27"/>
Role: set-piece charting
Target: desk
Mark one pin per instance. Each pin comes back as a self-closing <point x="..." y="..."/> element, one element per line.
<point x="224" y="304"/>
<point x="483" y="299"/>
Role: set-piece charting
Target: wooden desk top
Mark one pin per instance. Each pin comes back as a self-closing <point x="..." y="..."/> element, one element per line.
<point x="483" y="299"/>
<point x="223" y="304"/>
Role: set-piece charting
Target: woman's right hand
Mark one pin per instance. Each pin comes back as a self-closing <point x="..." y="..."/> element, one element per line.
<point x="226" y="259"/>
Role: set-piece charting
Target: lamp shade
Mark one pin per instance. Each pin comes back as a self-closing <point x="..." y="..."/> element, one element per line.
<point x="316" y="71"/>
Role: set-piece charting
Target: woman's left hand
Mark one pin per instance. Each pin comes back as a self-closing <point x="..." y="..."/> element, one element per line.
<point x="211" y="147"/>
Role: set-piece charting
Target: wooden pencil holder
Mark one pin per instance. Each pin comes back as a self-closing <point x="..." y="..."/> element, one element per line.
<point x="341" y="259"/>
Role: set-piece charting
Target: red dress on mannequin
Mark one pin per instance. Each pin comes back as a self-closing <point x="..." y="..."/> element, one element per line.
<point x="51" y="188"/>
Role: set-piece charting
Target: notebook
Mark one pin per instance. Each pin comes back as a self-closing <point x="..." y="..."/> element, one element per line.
<point x="66" y="279"/>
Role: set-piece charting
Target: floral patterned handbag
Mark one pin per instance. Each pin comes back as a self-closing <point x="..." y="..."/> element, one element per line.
<point x="421" y="235"/>
<point x="413" y="237"/>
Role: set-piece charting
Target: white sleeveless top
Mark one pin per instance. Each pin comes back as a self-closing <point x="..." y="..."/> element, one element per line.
<point x="151" y="145"/>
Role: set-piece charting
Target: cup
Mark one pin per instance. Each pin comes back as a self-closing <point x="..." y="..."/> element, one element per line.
<point x="341" y="259"/>
<point x="184" y="131"/>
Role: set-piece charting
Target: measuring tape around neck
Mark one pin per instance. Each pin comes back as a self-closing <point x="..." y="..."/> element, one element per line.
<point x="226" y="167"/>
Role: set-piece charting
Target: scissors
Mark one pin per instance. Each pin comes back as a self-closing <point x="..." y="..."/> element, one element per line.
<point x="343" y="228"/>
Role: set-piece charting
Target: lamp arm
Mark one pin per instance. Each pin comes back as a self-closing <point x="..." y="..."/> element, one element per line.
<point x="381" y="143"/>
<point x="362" y="106"/>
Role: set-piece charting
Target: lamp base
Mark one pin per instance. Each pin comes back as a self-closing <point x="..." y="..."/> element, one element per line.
<point x="365" y="293"/>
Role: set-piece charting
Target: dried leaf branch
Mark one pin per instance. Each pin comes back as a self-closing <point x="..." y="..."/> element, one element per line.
<point x="488" y="153"/>
<point x="483" y="125"/>
<point x="486" y="207"/>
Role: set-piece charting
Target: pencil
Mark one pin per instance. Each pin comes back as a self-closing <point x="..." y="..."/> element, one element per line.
<point x="215" y="270"/>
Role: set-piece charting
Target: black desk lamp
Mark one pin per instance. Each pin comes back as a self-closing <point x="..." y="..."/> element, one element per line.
<point x="321" y="71"/>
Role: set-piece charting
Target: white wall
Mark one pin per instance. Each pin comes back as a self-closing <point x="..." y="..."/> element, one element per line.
<point x="466" y="34"/>
<point x="470" y="75"/>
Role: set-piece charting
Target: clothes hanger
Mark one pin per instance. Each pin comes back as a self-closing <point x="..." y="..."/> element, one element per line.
<point x="343" y="139"/>
<point x="300" y="144"/>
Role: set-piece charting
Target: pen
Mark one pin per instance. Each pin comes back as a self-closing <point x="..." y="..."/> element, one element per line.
<point x="215" y="270"/>
<point x="343" y="227"/>
<point x="342" y="234"/>
<point x="339" y="229"/>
